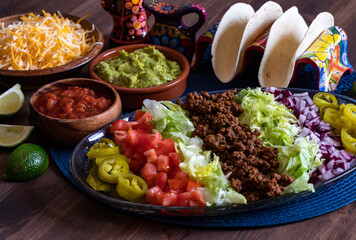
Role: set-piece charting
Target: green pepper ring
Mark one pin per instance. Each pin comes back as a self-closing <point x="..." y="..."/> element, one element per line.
<point x="107" y="175"/>
<point x="348" y="139"/>
<point x="322" y="98"/>
<point x="126" y="189"/>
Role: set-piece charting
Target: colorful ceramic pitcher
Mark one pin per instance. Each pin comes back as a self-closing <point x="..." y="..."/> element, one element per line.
<point x="169" y="29"/>
<point x="130" y="20"/>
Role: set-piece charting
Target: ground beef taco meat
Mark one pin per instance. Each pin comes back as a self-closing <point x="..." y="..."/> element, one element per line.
<point x="253" y="168"/>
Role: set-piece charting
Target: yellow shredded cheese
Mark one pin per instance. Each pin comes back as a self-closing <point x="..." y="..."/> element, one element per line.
<point x="42" y="41"/>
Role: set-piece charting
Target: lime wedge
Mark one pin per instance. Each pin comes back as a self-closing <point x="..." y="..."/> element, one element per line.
<point x="13" y="135"/>
<point x="11" y="101"/>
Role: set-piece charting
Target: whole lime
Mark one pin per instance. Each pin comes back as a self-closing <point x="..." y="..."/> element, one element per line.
<point x="26" y="162"/>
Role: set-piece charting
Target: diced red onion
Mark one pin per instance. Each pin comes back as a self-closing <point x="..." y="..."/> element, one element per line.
<point x="330" y="164"/>
<point x="302" y="119"/>
<point x="337" y="171"/>
<point x="346" y="155"/>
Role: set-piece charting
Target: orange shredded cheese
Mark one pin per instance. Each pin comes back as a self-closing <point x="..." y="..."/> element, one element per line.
<point x="42" y="41"/>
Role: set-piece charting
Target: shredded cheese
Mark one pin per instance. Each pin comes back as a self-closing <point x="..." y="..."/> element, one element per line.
<point x="42" y="41"/>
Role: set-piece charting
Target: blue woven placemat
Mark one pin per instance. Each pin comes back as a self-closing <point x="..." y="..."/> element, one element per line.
<point x="324" y="201"/>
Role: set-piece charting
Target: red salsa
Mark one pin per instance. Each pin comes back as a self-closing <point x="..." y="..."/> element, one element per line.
<point x="72" y="103"/>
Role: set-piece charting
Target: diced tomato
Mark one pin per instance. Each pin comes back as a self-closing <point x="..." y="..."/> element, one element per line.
<point x="146" y="127"/>
<point x="176" y="159"/>
<point x="132" y="137"/>
<point x="148" y="171"/>
<point x="164" y="147"/>
<point x="148" y="141"/>
<point x="179" y="174"/>
<point x="178" y="185"/>
<point x="142" y="131"/>
<point x="169" y="199"/>
<point x="129" y="151"/>
<point x="120" y="136"/>
<point x="183" y="199"/>
<point x="154" y="195"/>
<point x="160" y="180"/>
<point x="197" y="198"/>
<point x="137" y="161"/>
<point x="141" y="116"/>
<point x="151" y="156"/>
<point x="128" y="137"/>
<point x="163" y="163"/>
<point x="145" y="122"/>
<point x="136" y="166"/>
<point x="193" y="185"/>
<point x="139" y="156"/>
<point x="191" y="199"/>
<point x="121" y="125"/>
<point x="139" y="113"/>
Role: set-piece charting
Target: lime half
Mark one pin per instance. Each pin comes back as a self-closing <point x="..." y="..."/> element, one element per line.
<point x="13" y="135"/>
<point x="11" y="101"/>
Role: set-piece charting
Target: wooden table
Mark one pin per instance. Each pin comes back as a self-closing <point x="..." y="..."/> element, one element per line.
<point x="50" y="207"/>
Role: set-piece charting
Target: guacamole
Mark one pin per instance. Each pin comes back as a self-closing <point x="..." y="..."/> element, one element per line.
<point x="146" y="67"/>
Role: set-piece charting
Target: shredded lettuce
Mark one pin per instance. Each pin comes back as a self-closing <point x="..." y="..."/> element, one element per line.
<point x="204" y="167"/>
<point x="262" y="112"/>
<point x="169" y="119"/>
<point x="172" y="122"/>
<point x="297" y="156"/>
<point x="300" y="184"/>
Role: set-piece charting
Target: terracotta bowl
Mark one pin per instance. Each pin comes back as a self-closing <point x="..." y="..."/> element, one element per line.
<point x="132" y="98"/>
<point x="33" y="79"/>
<point x="71" y="131"/>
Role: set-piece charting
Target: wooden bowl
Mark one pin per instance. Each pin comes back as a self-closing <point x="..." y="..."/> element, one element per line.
<point x="71" y="131"/>
<point x="132" y="98"/>
<point x="33" y="79"/>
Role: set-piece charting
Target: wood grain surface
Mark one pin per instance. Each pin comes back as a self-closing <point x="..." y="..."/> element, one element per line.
<point x="50" y="207"/>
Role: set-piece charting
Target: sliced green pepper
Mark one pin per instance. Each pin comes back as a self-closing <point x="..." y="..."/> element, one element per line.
<point x="103" y="143"/>
<point x="342" y="107"/>
<point x="95" y="182"/>
<point x="335" y="118"/>
<point x="348" y="138"/>
<point x="99" y="160"/>
<point x="100" y="152"/>
<point x="323" y="98"/>
<point x="350" y="113"/>
<point x="131" y="187"/>
<point x="110" y="169"/>
<point x="323" y="109"/>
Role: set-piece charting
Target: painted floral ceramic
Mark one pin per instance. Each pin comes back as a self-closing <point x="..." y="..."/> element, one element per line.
<point x="130" y="20"/>
<point x="328" y="54"/>
<point x="169" y="29"/>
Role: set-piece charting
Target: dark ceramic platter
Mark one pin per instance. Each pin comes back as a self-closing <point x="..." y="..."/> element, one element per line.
<point x="80" y="166"/>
